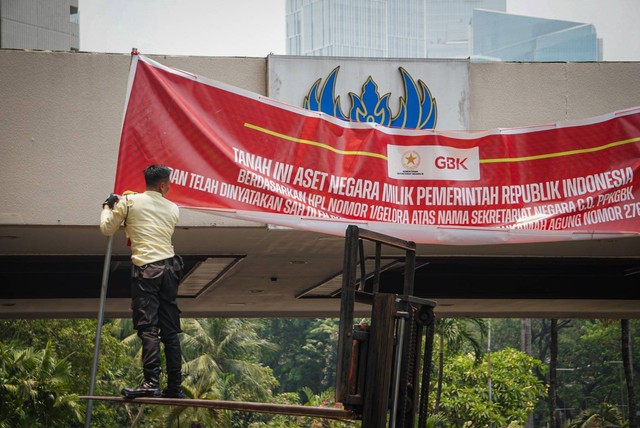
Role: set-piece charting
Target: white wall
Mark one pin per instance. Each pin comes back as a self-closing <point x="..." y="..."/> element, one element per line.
<point x="60" y="116"/>
<point x="505" y="95"/>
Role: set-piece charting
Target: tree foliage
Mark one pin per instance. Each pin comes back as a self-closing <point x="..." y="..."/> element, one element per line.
<point x="292" y="361"/>
<point x="73" y="341"/>
<point x="34" y="389"/>
<point x="515" y="389"/>
<point x="306" y="354"/>
<point x="590" y="370"/>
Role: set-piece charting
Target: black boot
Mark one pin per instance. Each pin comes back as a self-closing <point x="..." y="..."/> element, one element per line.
<point x="145" y="389"/>
<point x="150" y="366"/>
<point x="174" y="386"/>
<point x="172" y="392"/>
<point x="173" y="357"/>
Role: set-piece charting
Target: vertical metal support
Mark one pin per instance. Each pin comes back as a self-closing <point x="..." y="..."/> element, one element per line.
<point x="377" y="373"/>
<point x="415" y="375"/>
<point x="397" y="370"/>
<point x="376" y="272"/>
<point x="358" y="367"/>
<point x="96" y="352"/>
<point x="409" y="270"/>
<point x="347" y="304"/>
<point x="363" y="270"/>
<point x="409" y="351"/>
<point x="426" y="368"/>
<point x="380" y="361"/>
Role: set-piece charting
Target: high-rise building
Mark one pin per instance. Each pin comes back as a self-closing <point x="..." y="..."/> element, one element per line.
<point x="476" y="29"/>
<point x="449" y="25"/>
<point x="363" y="28"/>
<point x="382" y="28"/>
<point x="39" y="24"/>
<point x="501" y="36"/>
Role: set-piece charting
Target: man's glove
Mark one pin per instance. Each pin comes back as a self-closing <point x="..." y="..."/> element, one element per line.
<point x="111" y="201"/>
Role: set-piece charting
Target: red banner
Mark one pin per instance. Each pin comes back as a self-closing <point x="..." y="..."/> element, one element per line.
<point x="239" y="154"/>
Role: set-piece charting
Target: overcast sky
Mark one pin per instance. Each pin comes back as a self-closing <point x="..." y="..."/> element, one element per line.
<point x="256" y="28"/>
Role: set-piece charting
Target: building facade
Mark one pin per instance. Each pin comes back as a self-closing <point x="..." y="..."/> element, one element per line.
<point x="449" y="25"/>
<point x="477" y="29"/>
<point x="41" y="25"/>
<point x="59" y="152"/>
<point x="501" y="36"/>
<point x="382" y="28"/>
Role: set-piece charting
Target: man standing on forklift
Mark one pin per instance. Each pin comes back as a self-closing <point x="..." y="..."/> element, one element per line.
<point x="149" y="222"/>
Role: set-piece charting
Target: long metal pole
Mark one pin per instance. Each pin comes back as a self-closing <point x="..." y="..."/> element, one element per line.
<point x="396" y="374"/>
<point x="96" y="352"/>
<point x="489" y="367"/>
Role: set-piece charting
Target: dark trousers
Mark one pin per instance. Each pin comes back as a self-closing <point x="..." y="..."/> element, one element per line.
<point x="156" y="317"/>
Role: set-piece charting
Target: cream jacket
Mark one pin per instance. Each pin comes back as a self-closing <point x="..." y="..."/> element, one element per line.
<point x="149" y="222"/>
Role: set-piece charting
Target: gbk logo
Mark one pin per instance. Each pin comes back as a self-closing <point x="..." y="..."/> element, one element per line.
<point x="451" y="163"/>
<point x="433" y="163"/>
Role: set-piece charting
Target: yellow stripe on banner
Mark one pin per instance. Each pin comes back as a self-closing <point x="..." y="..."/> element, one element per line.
<point x="497" y="160"/>
<point x="559" y="154"/>
<point x="315" y="143"/>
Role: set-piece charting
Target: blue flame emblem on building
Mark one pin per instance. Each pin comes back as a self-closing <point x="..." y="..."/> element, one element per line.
<point x="418" y="109"/>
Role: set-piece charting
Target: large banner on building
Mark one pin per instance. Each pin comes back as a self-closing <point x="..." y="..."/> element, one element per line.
<point x="239" y="154"/>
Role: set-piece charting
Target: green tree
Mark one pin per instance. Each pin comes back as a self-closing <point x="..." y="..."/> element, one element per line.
<point x="454" y="335"/>
<point x="506" y="333"/>
<point x="235" y="346"/>
<point x="515" y="389"/>
<point x="590" y="362"/>
<point x="605" y="415"/>
<point x="592" y="352"/>
<point x="222" y="359"/>
<point x="74" y="339"/>
<point x="306" y="355"/>
<point x="324" y="399"/>
<point x="627" y="361"/>
<point x="34" y="389"/>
